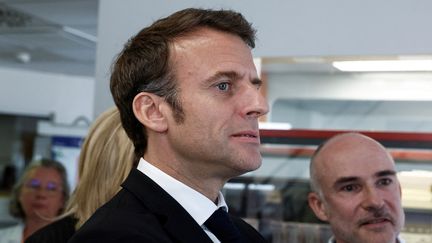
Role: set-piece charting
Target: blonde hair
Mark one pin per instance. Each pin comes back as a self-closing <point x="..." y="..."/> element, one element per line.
<point x="105" y="160"/>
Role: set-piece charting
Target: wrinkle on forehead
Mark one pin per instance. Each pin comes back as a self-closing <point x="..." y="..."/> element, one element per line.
<point x="197" y="38"/>
<point x="207" y="51"/>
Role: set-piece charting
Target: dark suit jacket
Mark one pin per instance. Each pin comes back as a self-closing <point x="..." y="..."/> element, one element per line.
<point x="143" y="212"/>
<point x="59" y="231"/>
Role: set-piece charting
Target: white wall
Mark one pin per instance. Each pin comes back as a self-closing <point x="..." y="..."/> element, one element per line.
<point x="356" y="86"/>
<point x="285" y="28"/>
<point x="42" y="94"/>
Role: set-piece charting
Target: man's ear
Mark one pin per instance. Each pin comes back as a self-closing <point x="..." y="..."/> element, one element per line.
<point x="317" y="206"/>
<point x="147" y="109"/>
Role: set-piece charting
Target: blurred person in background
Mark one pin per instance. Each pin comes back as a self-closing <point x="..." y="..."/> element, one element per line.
<point x="102" y="169"/>
<point x="355" y="189"/>
<point x="37" y="199"/>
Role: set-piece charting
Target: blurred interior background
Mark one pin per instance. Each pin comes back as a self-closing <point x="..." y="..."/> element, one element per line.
<point x="54" y="69"/>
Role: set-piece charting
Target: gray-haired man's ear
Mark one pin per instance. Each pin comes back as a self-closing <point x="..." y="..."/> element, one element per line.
<point x="317" y="206"/>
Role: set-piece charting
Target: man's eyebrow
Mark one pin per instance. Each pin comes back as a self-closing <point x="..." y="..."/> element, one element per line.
<point x="385" y="173"/>
<point x="229" y="74"/>
<point x="344" y="180"/>
<point x="257" y="81"/>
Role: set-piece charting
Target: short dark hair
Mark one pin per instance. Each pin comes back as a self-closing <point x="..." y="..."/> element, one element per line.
<point x="143" y="64"/>
<point x="15" y="208"/>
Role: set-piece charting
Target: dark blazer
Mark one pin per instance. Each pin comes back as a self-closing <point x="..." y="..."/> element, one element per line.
<point x="59" y="231"/>
<point x="143" y="212"/>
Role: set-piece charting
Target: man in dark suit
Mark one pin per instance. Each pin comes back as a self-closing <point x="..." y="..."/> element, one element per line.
<point x="189" y="98"/>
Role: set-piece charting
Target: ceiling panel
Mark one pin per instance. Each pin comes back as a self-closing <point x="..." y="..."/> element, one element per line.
<point x="56" y="36"/>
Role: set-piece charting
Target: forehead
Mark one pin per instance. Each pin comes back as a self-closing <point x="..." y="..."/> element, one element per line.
<point x="45" y="174"/>
<point x="352" y="156"/>
<point x="205" y="51"/>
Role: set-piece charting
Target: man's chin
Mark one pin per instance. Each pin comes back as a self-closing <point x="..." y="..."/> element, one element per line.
<point x="244" y="168"/>
<point x="379" y="235"/>
<point x="252" y="165"/>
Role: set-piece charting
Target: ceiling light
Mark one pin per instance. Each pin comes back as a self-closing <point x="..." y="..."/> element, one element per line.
<point x="384" y="65"/>
<point x="23" y="57"/>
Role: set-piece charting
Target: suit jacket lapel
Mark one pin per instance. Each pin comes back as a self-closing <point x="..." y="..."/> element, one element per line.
<point x="174" y="218"/>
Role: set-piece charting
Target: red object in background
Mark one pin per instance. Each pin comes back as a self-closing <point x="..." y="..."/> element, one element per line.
<point x="302" y="143"/>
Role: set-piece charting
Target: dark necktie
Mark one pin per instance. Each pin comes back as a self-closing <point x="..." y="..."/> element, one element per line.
<point x="223" y="228"/>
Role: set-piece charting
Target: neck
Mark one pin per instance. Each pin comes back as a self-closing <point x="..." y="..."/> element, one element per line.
<point x="189" y="174"/>
<point x="32" y="225"/>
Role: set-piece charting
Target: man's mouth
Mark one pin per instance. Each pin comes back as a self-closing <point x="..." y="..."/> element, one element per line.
<point x="249" y="134"/>
<point x="244" y="135"/>
<point x="375" y="221"/>
<point x="249" y="137"/>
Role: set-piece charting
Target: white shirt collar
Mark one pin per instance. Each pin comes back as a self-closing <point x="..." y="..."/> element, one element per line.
<point x="195" y="203"/>
<point x="398" y="240"/>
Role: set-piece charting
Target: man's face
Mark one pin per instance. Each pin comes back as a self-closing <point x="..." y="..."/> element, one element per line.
<point x="221" y="101"/>
<point x="361" y="194"/>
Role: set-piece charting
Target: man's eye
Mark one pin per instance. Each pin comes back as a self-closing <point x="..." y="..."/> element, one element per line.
<point x="223" y="86"/>
<point x="385" y="181"/>
<point x="349" y="188"/>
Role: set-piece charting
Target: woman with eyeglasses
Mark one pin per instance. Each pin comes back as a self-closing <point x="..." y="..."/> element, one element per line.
<point x="37" y="199"/>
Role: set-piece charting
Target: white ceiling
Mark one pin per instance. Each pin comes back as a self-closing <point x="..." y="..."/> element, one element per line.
<point x="49" y="35"/>
<point x="60" y="36"/>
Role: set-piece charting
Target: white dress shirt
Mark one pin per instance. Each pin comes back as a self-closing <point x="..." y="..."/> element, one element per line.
<point x="195" y="203"/>
<point x="398" y="240"/>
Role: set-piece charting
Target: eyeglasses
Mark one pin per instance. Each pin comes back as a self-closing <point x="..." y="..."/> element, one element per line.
<point x="51" y="188"/>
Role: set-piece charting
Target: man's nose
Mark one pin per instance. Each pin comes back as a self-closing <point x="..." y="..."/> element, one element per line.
<point x="256" y="103"/>
<point x="372" y="199"/>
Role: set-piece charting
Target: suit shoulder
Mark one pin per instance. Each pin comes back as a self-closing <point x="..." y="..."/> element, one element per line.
<point x="121" y="220"/>
<point x="130" y="228"/>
